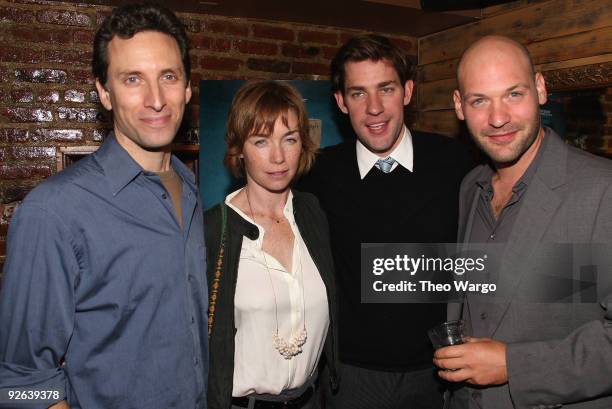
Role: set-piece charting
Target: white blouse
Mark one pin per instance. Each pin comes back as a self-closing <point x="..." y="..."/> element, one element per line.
<point x="258" y="366"/>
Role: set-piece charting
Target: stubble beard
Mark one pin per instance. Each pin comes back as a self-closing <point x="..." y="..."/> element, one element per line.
<point x="502" y="156"/>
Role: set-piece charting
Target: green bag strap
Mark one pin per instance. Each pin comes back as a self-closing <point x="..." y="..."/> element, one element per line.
<point x="216" y="282"/>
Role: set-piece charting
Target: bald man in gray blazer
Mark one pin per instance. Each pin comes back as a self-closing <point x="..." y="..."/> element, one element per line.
<point x="534" y="190"/>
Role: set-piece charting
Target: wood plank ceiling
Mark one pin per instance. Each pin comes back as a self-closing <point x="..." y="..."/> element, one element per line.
<point x="403" y="17"/>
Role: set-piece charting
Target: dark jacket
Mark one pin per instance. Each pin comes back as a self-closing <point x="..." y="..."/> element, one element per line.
<point x="312" y="223"/>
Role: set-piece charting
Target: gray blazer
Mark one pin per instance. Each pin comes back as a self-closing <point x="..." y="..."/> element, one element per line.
<point x="558" y="354"/>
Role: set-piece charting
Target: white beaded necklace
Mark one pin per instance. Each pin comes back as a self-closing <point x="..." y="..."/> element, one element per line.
<point x="292" y="347"/>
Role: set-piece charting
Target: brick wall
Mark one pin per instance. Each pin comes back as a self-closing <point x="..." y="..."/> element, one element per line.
<point x="47" y="96"/>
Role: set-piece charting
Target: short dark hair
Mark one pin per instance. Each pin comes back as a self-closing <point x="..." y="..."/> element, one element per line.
<point x="254" y="110"/>
<point x="126" y="21"/>
<point x="369" y="47"/>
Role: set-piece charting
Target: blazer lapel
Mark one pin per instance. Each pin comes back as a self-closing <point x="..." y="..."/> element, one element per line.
<point x="455" y="310"/>
<point x="538" y="209"/>
<point x="468" y="201"/>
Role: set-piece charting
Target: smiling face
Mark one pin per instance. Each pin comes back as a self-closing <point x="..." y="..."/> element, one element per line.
<point x="499" y="99"/>
<point x="374" y="99"/>
<point x="271" y="161"/>
<point x="146" y="90"/>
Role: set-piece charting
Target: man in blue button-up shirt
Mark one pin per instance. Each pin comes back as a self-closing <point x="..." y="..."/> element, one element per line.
<point x="104" y="296"/>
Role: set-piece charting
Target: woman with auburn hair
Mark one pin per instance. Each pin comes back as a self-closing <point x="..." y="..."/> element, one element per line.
<point x="270" y="269"/>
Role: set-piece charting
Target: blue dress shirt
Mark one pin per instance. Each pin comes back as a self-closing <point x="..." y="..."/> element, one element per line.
<point x="99" y="273"/>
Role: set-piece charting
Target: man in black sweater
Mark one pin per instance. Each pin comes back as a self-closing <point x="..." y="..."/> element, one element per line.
<point x="391" y="185"/>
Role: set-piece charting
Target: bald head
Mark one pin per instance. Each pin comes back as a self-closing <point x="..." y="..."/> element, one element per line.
<point x="493" y="48"/>
<point x="499" y="97"/>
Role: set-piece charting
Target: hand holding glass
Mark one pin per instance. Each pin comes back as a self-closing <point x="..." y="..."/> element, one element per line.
<point x="447" y="333"/>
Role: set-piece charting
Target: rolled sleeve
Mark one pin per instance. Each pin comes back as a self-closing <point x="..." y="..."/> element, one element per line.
<point x="37" y="305"/>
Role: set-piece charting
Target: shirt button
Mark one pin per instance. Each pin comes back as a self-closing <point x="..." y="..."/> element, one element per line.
<point x="195" y="361"/>
<point x="492" y="236"/>
<point x="192" y="319"/>
<point x="164" y="196"/>
<point x="483" y="316"/>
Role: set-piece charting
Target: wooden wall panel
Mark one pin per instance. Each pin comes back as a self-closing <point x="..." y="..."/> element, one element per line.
<point x="577" y="62"/>
<point x="580" y="45"/>
<point x="444" y="122"/>
<point x="555" y="18"/>
<point x="561" y="35"/>
<point x="445" y="70"/>
<point x="437" y="70"/>
<point x="436" y="95"/>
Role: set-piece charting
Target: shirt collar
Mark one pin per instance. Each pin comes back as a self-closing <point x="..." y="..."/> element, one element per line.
<point x="403" y="155"/>
<point x="120" y="168"/>
<point x="287" y="211"/>
<point x="117" y="164"/>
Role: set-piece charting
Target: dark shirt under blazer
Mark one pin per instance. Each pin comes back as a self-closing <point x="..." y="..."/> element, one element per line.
<point x="558" y="354"/>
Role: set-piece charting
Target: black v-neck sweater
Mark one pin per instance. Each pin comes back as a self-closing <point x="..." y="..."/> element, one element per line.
<point x="398" y="207"/>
